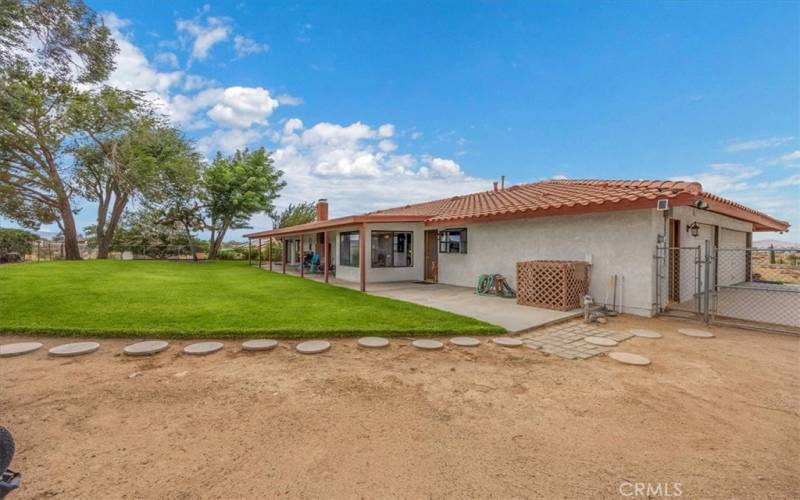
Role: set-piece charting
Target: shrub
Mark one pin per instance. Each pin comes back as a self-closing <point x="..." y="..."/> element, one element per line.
<point x="16" y="241"/>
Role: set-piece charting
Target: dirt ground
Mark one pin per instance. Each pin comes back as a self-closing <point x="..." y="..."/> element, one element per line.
<point x="721" y="417"/>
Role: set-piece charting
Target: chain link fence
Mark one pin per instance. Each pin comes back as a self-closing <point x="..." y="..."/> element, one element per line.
<point x="753" y="286"/>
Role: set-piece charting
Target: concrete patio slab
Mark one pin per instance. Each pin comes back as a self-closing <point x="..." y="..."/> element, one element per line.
<point x="648" y="334"/>
<point x="203" y="348"/>
<point x="629" y="358"/>
<point x="694" y="332"/>
<point x="461" y="300"/>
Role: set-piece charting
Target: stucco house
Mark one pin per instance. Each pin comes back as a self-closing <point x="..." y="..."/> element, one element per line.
<point x="615" y="225"/>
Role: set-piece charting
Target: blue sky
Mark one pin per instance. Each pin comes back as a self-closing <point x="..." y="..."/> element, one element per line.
<point x="373" y="104"/>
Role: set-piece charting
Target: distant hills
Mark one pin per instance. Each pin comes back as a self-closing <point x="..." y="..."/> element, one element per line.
<point x="775" y="244"/>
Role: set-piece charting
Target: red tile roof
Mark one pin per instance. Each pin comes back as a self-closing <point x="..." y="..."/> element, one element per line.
<point x="555" y="197"/>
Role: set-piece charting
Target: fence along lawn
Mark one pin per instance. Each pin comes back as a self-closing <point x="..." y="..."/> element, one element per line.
<point x="219" y="299"/>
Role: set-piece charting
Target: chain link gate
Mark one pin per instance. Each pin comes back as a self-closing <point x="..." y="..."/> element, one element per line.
<point x="745" y="286"/>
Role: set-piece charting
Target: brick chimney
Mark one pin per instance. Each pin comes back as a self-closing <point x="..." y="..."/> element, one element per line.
<point x="322" y="210"/>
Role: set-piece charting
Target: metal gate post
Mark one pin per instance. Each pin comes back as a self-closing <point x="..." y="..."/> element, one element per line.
<point x="707" y="285"/>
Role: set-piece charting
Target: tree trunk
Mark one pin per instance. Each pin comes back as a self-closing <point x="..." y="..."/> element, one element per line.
<point x="216" y="241"/>
<point x="71" y="249"/>
<point x="191" y="242"/>
<point x="106" y="237"/>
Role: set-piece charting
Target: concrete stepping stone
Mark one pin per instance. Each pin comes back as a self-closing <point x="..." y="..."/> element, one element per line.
<point x="259" y="345"/>
<point x="203" y="348"/>
<point x="427" y="344"/>
<point x="313" y="346"/>
<point x="74" y="349"/>
<point x="373" y="342"/>
<point x="146" y="348"/>
<point x="602" y="341"/>
<point x="507" y="342"/>
<point x="694" y="332"/>
<point x="629" y="358"/>
<point x="465" y="342"/>
<point x="648" y="334"/>
<point x="8" y="350"/>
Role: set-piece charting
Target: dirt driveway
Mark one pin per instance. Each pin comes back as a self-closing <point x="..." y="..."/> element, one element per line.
<point x="719" y="416"/>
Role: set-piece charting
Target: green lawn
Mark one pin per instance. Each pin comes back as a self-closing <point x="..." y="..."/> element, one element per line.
<point x="220" y="299"/>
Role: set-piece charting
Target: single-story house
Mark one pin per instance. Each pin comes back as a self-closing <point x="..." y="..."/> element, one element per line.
<point x="615" y="225"/>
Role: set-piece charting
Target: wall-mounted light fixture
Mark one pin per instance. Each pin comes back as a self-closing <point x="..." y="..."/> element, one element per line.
<point x="693" y="228"/>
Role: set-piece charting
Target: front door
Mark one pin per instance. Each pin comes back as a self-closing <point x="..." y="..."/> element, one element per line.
<point x="431" y="256"/>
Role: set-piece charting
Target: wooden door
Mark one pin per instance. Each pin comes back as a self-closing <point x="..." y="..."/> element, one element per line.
<point x="431" y="256"/>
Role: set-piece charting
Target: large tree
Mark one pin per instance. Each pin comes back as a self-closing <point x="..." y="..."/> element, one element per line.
<point x="294" y="215"/>
<point x="46" y="47"/>
<point x="61" y="38"/>
<point x="236" y="188"/>
<point x="122" y="145"/>
<point x="34" y="175"/>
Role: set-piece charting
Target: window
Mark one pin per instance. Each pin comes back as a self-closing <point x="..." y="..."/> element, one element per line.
<point x="453" y="241"/>
<point x="392" y="249"/>
<point x="348" y="249"/>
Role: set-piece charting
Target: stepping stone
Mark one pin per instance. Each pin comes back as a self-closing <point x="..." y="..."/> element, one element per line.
<point x="203" y="348"/>
<point x="601" y="341"/>
<point x="629" y="358"/>
<point x="507" y="342"/>
<point x="313" y="347"/>
<point x="693" y="332"/>
<point x="76" y="349"/>
<point x="8" y="350"/>
<point x="648" y="334"/>
<point x="146" y="348"/>
<point x="259" y="345"/>
<point x="428" y="345"/>
<point x="373" y="342"/>
<point x="465" y="342"/>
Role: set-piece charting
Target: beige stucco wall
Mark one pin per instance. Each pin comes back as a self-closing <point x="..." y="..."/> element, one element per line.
<point x="620" y="243"/>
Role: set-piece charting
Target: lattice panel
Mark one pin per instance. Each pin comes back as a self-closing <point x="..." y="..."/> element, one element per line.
<point x="552" y="284"/>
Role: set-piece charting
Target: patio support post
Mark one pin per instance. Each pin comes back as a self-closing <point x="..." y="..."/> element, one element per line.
<point x="259" y="253"/>
<point x="302" y="260"/>
<point x="325" y="254"/>
<point x="269" y="254"/>
<point x="362" y="257"/>
<point x="249" y="251"/>
<point x="283" y="255"/>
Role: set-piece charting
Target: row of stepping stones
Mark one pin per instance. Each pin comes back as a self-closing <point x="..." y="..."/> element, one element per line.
<point x="150" y="347"/>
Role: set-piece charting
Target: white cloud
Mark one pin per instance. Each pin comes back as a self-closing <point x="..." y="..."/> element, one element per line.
<point x="386" y="130"/>
<point x="228" y="141"/>
<point x="245" y="46"/>
<point x="790" y="159"/>
<point x="241" y="107"/>
<point x="768" y="142"/>
<point x="167" y="59"/>
<point x="724" y="177"/>
<point x="348" y="165"/>
<point x="205" y="35"/>
<point x="387" y="146"/>
<point x="289" y="100"/>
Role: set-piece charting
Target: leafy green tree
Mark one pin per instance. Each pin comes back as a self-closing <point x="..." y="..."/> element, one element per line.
<point x="64" y="39"/>
<point x="34" y="180"/>
<point x="125" y="145"/>
<point x="237" y="187"/>
<point x="36" y="89"/>
<point x="294" y="215"/>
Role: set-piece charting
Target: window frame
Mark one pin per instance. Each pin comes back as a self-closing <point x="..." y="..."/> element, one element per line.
<point x="347" y="236"/>
<point x="445" y="242"/>
<point x="409" y="248"/>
